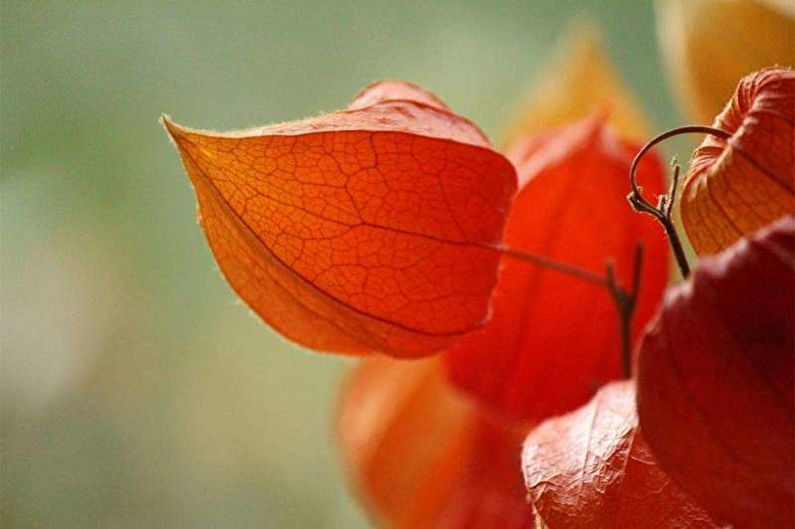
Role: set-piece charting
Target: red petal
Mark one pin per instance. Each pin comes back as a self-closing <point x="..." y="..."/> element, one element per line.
<point x="715" y="381"/>
<point x="419" y="455"/>
<point x="370" y="229"/>
<point x="554" y="339"/>
<point x="593" y="469"/>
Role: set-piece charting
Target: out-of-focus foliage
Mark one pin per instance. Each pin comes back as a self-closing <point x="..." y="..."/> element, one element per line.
<point x="708" y="45"/>
<point x="578" y="80"/>
<point x="134" y="391"/>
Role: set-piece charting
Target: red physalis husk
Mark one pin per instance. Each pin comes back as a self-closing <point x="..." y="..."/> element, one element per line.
<point x="592" y="469"/>
<point x="716" y="395"/>
<point x="369" y="229"/>
<point x="554" y="339"/>
<point x="420" y="454"/>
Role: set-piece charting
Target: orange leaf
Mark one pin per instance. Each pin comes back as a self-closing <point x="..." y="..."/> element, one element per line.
<point x="736" y="186"/>
<point x="420" y="455"/>
<point x="709" y="44"/>
<point x="579" y="81"/>
<point x="554" y="339"/>
<point x="715" y="382"/>
<point x="592" y="469"/>
<point x="369" y="229"/>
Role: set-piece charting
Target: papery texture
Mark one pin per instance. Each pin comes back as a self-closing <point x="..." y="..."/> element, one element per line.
<point x="369" y="229"/>
<point x="592" y="469"/>
<point x="716" y="395"/>
<point x="738" y="185"/>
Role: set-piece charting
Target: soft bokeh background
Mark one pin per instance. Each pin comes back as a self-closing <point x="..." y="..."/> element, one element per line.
<point x="135" y="390"/>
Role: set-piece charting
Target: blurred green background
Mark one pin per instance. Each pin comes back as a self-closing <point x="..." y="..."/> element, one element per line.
<point x="136" y="391"/>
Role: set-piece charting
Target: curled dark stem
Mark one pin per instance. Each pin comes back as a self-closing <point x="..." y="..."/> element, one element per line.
<point x="625" y="304"/>
<point x="663" y="211"/>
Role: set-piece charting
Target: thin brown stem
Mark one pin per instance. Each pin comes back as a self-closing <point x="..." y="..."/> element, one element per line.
<point x="663" y="211"/>
<point x="551" y="264"/>
<point x="625" y="304"/>
<point x="624" y="301"/>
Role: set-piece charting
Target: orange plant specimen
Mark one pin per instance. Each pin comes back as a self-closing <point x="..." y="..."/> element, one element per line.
<point x="592" y="469"/>
<point x="715" y="381"/>
<point x="370" y="229"/>
<point x="380" y="229"/>
<point x="553" y="339"/>
<point x="419" y="454"/>
<point x="736" y="186"/>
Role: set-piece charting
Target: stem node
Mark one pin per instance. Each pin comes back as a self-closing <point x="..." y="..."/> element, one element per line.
<point x="624" y="300"/>
<point x="665" y="203"/>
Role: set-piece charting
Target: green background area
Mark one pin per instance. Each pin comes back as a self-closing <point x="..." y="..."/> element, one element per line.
<point x="136" y="391"/>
